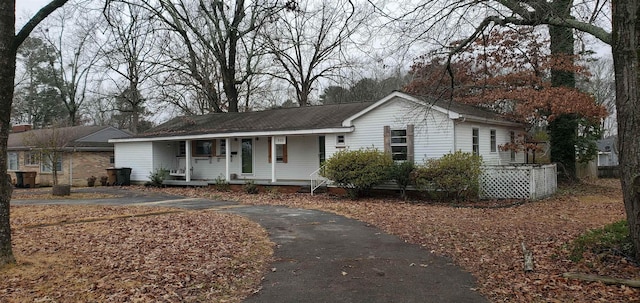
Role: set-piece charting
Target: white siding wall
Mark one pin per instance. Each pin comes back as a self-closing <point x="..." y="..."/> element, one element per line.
<point x="465" y="144"/>
<point x="433" y="131"/>
<point x="136" y="155"/>
<point x="302" y="158"/>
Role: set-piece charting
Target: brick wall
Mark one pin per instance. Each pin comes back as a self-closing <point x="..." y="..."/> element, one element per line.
<point x="81" y="165"/>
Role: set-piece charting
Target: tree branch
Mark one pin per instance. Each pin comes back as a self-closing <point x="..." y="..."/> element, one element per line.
<point x="35" y="20"/>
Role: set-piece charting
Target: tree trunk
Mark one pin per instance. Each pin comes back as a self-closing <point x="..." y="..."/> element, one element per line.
<point x="7" y="74"/>
<point x="626" y="61"/>
<point x="563" y="130"/>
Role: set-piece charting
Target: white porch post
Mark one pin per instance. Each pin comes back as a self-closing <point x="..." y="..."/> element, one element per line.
<point x="227" y="152"/>
<point x="273" y="159"/>
<point x="187" y="164"/>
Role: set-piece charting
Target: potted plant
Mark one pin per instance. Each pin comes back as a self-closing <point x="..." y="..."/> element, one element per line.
<point x="91" y="181"/>
<point x="104" y="180"/>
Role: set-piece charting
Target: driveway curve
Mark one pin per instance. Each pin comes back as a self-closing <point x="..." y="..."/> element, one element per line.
<point x="324" y="257"/>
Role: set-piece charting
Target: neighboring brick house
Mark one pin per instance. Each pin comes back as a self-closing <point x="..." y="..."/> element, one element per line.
<point x="85" y="152"/>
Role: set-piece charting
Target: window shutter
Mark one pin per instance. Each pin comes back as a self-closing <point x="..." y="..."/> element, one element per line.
<point x="284" y="153"/>
<point x="269" y="148"/>
<point x="410" y="143"/>
<point x="214" y="148"/>
<point x="387" y="139"/>
<point x="193" y="148"/>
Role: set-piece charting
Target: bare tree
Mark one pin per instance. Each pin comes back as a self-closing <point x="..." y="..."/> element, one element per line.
<point x="131" y="58"/>
<point x="8" y="48"/>
<point x="220" y="33"/>
<point x="311" y="42"/>
<point x="72" y="35"/>
<point x="50" y="144"/>
<point x="601" y="84"/>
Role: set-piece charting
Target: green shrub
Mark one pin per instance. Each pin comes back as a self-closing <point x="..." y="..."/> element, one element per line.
<point x="250" y="187"/>
<point x="456" y="175"/>
<point x="358" y="170"/>
<point x="402" y="174"/>
<point x="221" y="184"/>
<point x="613" y="237"/>
<point x="156" y="178"/>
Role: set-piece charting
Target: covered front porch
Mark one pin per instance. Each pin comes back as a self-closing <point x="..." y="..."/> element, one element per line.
<point x="265" y="160"/>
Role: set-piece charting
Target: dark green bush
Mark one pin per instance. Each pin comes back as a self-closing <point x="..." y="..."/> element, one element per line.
<point x="250" y="187"/>
<point x="358" y="170"/>
<point x="156" y="178"/>
<point x="402" y="174"/>
<point x="612" y="238"/>
<point x="221" y="184"/>
<point x="455" y="175"/>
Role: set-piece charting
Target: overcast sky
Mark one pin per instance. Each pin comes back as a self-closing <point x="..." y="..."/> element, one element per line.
<point x="27" y="8"/>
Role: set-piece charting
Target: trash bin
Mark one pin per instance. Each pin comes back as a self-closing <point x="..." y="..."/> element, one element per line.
<point x="29" y="179"/>
<point x="123" y="176"/>
<point x="19" y="179"/>
<point x="112" y="175"/>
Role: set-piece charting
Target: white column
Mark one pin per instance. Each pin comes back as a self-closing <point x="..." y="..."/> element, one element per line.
<point x="227" y="153"/>
<point x="273" y="159"/>
<point x="187" y="164"/>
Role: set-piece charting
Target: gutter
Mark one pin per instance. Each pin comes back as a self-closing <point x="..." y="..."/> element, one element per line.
<point x="214" y="135"/>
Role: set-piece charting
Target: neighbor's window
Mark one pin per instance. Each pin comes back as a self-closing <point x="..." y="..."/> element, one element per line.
<point x="399" y="144"/>
<point x="475" y="141"/>
<point x="340" y="140"/>
<point x="46" y="166"/>
<point x="12" y="161"/>
<point x="31" y="159"/>
<point x="202" y="148"/>
<point x="494" y="146"/>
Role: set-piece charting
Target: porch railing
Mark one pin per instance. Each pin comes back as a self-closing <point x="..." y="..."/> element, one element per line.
<point x="317" y="180"/>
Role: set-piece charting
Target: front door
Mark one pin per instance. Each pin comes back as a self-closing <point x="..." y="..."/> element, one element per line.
<point x="247" y="156"/>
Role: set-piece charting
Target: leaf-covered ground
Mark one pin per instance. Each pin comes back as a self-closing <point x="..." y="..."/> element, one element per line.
<point x="487" y="241"/>
<point x="132" y="254"/>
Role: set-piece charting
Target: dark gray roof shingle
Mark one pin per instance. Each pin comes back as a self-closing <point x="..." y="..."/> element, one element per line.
<point x="284" y="119"/>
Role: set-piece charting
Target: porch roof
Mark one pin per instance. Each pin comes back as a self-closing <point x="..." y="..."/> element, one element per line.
<point x="284" y="121"/>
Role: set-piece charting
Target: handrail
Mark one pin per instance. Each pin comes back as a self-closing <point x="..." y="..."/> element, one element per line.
<point x="316" y="182"/>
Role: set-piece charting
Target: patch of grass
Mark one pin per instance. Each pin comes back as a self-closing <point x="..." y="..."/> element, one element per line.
<point x="611" y="238"/>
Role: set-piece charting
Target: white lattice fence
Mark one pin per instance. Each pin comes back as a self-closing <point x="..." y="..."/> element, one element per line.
<point x="518" y="182"/>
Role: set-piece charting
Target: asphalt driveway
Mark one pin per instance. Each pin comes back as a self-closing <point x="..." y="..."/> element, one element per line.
<point x="324" y="257"/>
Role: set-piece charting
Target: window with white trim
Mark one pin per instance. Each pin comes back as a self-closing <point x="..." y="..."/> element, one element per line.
<point x="340" y="141"/>
<point x="222" y="147"/>
<point x="475" y="141"/>
<point x="31" y="159"/>
<point x="12" y="161"/>
<point x="399" y="147"/>
<point x="202" y="148"/>
<point x="281" y="152"/>
<point x="46" y="166"/>
<point x="494" y="144"/>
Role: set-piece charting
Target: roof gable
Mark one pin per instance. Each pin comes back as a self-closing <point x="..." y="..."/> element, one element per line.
<point x="453" y="109"/>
